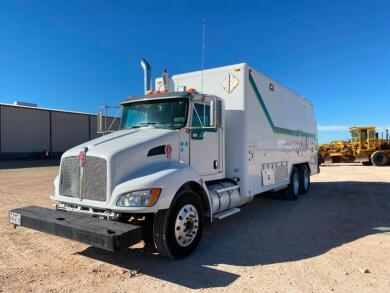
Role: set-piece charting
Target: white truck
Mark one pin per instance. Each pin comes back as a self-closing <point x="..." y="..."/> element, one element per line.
<point x="199" y="147"/>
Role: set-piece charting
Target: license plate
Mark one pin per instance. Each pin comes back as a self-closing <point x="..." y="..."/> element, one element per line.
<point x="15" y="218"/>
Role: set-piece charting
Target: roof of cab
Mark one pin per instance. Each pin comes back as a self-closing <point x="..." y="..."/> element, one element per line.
<point x="170" y="95"/>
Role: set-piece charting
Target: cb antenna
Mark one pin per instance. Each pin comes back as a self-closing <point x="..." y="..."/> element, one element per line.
<point x="203" y="45"/>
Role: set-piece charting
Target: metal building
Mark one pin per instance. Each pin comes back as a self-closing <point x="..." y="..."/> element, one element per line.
<point x="30" y="132"/>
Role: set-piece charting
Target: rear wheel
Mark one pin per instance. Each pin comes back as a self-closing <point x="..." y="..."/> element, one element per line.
<point x="379" y="158"/>
<point x="178" y="230"/>
<point x="292" y="190"/>
<point x="304" y="177"/>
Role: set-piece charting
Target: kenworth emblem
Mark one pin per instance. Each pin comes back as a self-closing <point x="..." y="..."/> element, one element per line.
<point x="168" y="151"/>
<point x="83" y="157"/>
<point x="82" y="162"/>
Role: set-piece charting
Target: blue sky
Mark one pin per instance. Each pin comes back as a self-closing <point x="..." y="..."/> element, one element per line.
<point x="77" y="55"/>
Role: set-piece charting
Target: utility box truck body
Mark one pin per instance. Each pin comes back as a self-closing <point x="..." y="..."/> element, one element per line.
<point x="181" y="156"/>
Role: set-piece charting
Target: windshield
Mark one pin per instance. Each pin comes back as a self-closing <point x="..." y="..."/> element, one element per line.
<point x="167" y="113"/>
<point x="354" y="135"/>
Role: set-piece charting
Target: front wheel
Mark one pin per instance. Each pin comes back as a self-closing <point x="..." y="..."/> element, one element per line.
<point x="177" y="231"/>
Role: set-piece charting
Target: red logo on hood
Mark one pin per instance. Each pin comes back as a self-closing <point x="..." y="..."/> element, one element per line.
<point x="83" y="157"/>
<point x="168" y="151"/>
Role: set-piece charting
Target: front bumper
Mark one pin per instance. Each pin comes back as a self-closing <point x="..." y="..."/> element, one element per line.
<point x="105" y="234"/>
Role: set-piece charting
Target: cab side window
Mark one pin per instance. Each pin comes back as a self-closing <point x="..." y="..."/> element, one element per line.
<point x="201" y="115"/>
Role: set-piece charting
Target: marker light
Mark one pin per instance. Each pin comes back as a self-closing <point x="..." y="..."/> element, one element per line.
<point x="191" y="90"/>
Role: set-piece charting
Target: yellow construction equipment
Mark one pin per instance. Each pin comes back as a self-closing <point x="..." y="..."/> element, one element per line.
<point x="368" y="147"/>
<point x="336" y="151"/>
<point x="365" y="146"/>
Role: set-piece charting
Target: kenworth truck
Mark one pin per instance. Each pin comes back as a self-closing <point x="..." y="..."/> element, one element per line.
<point x="197" y="148"/>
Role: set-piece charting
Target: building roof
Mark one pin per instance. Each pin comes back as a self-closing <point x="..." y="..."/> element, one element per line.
<point x="45" y="109"/>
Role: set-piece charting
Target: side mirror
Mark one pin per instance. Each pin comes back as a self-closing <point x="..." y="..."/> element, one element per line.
<point x="218" y="113"/>
<point x="215" y="113"/>
<point x="212" y="114"/>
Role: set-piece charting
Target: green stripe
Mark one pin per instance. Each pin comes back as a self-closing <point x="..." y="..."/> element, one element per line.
<point x="276" y="129"/>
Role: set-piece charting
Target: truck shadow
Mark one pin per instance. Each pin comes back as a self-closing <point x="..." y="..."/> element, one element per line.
<point x="269" y="231"/>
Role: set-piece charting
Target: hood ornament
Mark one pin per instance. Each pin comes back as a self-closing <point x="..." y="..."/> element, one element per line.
<point x="82" y="161"/>
<point x="83" y="157"/>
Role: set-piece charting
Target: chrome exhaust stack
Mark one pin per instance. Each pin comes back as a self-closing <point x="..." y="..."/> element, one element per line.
<point x="147" y="75"/>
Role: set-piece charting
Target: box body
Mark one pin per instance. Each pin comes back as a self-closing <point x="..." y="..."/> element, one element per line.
<point x="268" y="127"/>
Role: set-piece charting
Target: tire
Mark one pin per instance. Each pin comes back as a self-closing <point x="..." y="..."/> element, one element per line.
<point x="336" y="159"/>
<point x="379" y="158"/>
<point x="304" y="179"/>
<point x="292" y="190"/>
<point x="177" y="231"/>
<point x="367" y="163"/>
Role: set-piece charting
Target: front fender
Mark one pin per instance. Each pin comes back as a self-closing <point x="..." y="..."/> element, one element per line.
<point x="169" y="178"/>
<point x="56" y="188"/>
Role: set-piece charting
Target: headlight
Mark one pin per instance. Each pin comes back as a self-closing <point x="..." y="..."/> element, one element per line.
<point x="139" y="198"/>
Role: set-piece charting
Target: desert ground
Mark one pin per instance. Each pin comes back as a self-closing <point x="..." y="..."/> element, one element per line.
<point x="336" y="238"/>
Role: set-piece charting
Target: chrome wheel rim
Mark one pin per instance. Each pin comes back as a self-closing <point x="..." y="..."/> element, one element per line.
<point x="306" y="179"/>
<point x="295" y="183"/>
<point x="186" y="225"/>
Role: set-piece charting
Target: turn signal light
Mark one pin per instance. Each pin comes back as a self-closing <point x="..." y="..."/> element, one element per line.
<point x="191" y="90"/>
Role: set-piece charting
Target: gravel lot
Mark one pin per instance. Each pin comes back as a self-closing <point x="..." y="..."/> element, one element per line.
<point x="315" y="244"/>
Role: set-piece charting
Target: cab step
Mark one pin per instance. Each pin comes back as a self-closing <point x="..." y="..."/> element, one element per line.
<point x="225" y="189"/>
<point x="226" y="213"/>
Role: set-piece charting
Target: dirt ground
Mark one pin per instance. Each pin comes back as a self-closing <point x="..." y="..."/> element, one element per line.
<point x="315" y="244"/>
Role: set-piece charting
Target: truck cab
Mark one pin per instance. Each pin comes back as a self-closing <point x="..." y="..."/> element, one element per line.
<point x="197" y="120"/>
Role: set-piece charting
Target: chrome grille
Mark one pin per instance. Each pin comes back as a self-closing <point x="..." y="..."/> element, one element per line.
<point x="70" y="177"/>
<point x="95" y="178"/>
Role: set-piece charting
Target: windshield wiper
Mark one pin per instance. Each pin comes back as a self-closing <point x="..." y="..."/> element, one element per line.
<point x="142" y="124"/>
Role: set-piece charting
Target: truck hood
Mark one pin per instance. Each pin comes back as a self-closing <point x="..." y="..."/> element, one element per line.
<point x="126" y="152"/>
<point x="119" y="141"/>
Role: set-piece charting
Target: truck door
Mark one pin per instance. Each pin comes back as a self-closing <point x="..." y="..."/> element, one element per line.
<point x="205" y="143"/>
